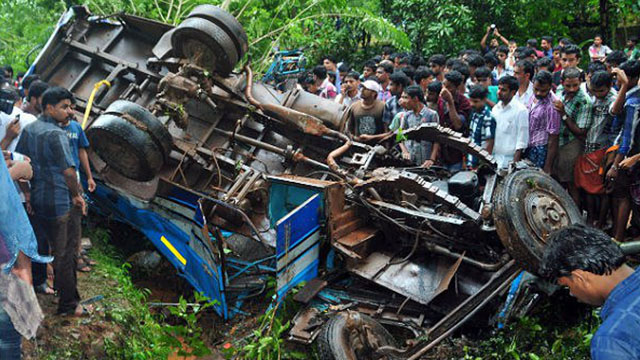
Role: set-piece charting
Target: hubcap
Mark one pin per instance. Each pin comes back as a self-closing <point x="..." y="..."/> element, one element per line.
<point x="544" y="213"/>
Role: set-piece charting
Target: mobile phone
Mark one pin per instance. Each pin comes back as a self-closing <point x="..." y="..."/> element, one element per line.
<point x="16" y="120"/>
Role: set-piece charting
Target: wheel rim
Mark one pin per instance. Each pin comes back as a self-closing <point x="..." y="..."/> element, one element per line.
<point x="544" y="213"/>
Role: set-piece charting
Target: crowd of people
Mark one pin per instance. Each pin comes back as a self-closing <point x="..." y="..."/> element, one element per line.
<point x="44" y="149"/>
<point x="531" y="102"/>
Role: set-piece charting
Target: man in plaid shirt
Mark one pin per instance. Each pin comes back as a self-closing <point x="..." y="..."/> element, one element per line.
<point x="575" y="108"/>
<point x="482" y="125"/>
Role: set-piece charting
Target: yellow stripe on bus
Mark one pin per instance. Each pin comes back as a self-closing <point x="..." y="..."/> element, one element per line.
<point x="173" y="250"/>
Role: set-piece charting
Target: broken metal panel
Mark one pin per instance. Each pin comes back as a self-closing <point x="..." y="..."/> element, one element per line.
<point x="420" y="282"/>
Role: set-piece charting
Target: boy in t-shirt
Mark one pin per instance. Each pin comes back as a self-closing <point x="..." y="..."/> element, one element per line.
<point x="483" y="77"/>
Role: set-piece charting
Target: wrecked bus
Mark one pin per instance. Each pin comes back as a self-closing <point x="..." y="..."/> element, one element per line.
<point x="235" y="182"/>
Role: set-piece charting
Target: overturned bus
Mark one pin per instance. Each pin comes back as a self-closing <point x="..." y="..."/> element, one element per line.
<point x="235" y="182"/>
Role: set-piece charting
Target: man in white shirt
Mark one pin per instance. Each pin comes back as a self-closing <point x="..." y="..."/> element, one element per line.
<point x="524" y="71"/>
<point x="512" y="123"/>
<point x="10" y="130"/>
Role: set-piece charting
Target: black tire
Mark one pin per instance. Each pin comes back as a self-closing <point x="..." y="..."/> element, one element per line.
<point x="529" y="205"/>
<point x="334" y="338"/>
<point x="206" y="45"/>
<point x="225" y="21"/>
<point x="127" y="149"/>
<point x="157" y="130"/>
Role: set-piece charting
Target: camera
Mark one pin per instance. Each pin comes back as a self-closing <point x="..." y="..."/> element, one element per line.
<point x="7" y="100"/>
<point x="493" y="26"/>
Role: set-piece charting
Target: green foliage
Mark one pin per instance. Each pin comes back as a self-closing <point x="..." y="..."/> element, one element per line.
<point x="189" y="334"/>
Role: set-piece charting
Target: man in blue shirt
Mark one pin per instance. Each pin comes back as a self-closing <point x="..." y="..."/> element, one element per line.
<point x="55" y="193"/>
<point x="591" y="265"/>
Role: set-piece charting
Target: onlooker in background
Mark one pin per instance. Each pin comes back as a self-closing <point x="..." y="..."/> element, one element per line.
<point x="453" y="111"/>
<point x="473" y="62"/>
<point x="626" y="107"/>
<point x="600" y="137"/>
<point x="502" y="69"/>
<point x="564" y="42"/>
<point x="20" y="314"/>
<point x="615" y="59"/>
<point x="11" y="125"/>
<point x="482" y="125"/>
<point x="557" y="58"/>
<point x="410" y="72"/>
<point x="546" y="45"/>
<point x="365" y="115"/>
<point x="330" y="63"/>
<point x="632" y="50"/>
<point x="383" y="73"/>
<point x="511" y="59"/>
<point x="398" y="82"/>
<point x="350" y="91"/>
<point x="592" y="68"/>
<point x="418" y="152"/>
<point x="598" y="51"/>
<point x="491" y="61"/>
<point x="55" y="193"/>
<point x="369" y="70"/>
<point x="437" y="63"/>
<point x="493" y="43"/>
<point x="423" y="77"/>
<point x="512" y="124"/>
<point x="533" y="45"/>
<point x="8" y="73"/>
<point x="26" y="82"/>
<point x="527" y="54"/>
<point x="570" y="58"/>
<point x="592" y="266"/>
<point x="575" y="108"/>
<point x="433" y="94"/>
<point x="33" y="105"/>
<point x="483" y="78"/>
<point x="524" y="72"/>
<point x="325" y="89"/>
<point x="546" y="64"/>
<point x="544" y="123"/>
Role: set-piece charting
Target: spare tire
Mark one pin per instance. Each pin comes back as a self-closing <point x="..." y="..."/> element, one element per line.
<point x="132" y="141"/>
<point x="206" y="45"/>
<point x="337" y="339"/>
<point x="528" y="206"/>
<point x="225" y="21"/>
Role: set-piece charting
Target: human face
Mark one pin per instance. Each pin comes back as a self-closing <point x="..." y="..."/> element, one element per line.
<point x="502" y="57"/>
<point x="541" y="90"/>
<point x="557" y="56"/>
<point x="329" y="65"/>
<point x="425" y="82"/>
<point x="597" y="41"/>
<point x="432" y="96"/>
<point x="437" y="69"/>
<point x="486" y="82"/>
<point x="368" y="72"/>
<point x="512" y="46"/>
<point x="580" y="288"/>
<point x="382" y="75"/>
<point x="453" y="89"/>
<point x="352" y="84"/>
<point x="518" y="72"/>
<point x="368" y="95"/>
<point x="600" y="92"/>
<point x="61" y="112"/>
<point x="569" y="60"/>
<point x="395" y="88"/>
<point x="571" y="86"/>
<point x="477" y="104"/>
<point x="407" y="101"/>
<point x="493" y="43"/>
<point x="545" y="45"/>
<point x="505" y="94"/>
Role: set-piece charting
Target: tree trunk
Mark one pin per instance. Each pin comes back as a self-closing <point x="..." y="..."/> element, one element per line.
<point x="604" y="22"/>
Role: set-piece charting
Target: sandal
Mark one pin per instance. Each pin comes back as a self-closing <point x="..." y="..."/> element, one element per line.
<point x="89" y="261"/>
<point x="82" y="266"/>
<point x="44" y="289"/>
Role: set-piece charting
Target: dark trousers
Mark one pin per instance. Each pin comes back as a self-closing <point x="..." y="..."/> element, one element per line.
<point x="60" y="234"/>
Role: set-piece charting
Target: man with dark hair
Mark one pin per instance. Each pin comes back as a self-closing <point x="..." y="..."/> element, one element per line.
<point x="512" y="124"/>
<point x="482" y="125"/>
<point x="544" y="63"/>
<point x="533" y="45"/>
<point x="631" y="49"/>
<point x="564" y="42"/>
<point x="330" y="63"/>
<point x="369" y="70"/>
<point x="473" y="62"/>
<point x="325" y="89"/>
<point x="592" y="68"/>
<point x="598" y="51"/>
<point x="453" y="111"/>
<point x="383" y="74"/>
<point x="527" y="54"/>
<point x="614" y="59"/>
<point x="399" y="81"/>
<point x="437" y="63"/>
<point x="418" y="152"/>
<point x="625" y="107"/>
<point x="364" y="119"/>
<point x="386" y="52"/>
<point x="524" y="72"/>
<point x="423" y="77"/>
<point x="26" y="82"/>
<point x="490" y="61"/>
<point x="544" y="123"/>
<point x="410" y="72"/>
<point x="33" y="105"/>
<point x="546" y="44"/>
<point x="575" y="107"/>
<point x="502" y="69"/>
<point x="592" y="267"/>
<point x="55" y="194"/>
<point x="557" y="58"/>
<point x="484" y="79"/>
<point x="350" y="89"/>
<point x="570" y="57"/>
<point x="433" y="94"/>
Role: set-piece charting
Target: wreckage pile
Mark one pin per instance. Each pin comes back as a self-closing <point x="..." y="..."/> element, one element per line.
<point x="235" y="181"/>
